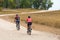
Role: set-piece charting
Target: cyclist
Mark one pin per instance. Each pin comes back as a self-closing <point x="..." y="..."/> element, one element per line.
<point x="29" y="23"/>
<point x="17" y="20"/>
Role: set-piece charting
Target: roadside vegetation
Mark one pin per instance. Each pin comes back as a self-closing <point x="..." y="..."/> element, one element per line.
<point x="51" y="19"/>
<point x="36" y="4"/>
<point x="47" y="18"/>
<point x="14" y="11"/>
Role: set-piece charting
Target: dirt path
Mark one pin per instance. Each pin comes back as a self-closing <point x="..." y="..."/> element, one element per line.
<point x="27" y="12"/>
<point x="9" y="32"/>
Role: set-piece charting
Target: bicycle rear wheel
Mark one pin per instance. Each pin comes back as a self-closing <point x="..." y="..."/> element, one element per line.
<point x="18" y="26"/>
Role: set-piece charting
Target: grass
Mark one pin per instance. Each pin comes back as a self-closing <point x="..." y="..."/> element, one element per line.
<point x="46" y="18"/>
<point x="14" y="11"/>
<point x="50" y="18"/>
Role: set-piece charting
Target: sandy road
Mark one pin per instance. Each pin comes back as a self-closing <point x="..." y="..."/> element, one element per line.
<point x="9" y="32"/>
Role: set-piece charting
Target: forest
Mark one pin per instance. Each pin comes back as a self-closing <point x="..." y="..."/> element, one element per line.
<point x="36" y="4"/>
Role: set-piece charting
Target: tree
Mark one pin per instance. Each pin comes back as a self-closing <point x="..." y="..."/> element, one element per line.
<point x="1" y="1"/>
<point x="17" y="3"/>
<point x="26" y="3"/>
<point x="37" y="4"/>
<point x="5" y="3"/>
<point x="42" y="4"/>
<point x="11" y="4"/>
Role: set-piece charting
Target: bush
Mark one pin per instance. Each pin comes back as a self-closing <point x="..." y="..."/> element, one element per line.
<point x="0" y="8"/>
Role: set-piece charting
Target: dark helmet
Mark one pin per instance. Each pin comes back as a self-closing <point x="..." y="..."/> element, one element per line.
<point x="29" y="17"/>
<point x="16" y="14"/>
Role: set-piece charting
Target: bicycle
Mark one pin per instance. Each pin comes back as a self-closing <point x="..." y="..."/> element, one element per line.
<point x="29" y="30"/>
<point x="18" y="26"/>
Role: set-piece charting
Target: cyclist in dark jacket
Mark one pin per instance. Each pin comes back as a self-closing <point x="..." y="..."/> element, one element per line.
<point x="17" y="20"/>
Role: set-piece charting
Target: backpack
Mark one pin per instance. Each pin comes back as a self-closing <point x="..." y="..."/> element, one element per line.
<point x="17" y="18"/>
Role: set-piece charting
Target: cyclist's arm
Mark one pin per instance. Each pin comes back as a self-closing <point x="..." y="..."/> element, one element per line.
<point x="27" y="20"/>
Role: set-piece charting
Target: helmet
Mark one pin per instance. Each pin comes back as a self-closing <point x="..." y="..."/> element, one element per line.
<point x="28" y="16"/>
<point x="16" y="14"/>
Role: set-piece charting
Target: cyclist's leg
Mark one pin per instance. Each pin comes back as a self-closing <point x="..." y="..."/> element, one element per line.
<point x="29" y="30"/>
<point x="27" y="27"/>
<point x="30" y="25"/>
<point x="19" y="25"/>
<point x="16" y="24"/>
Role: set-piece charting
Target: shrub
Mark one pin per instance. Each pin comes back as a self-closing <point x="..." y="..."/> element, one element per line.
<point x="0" y="8"/>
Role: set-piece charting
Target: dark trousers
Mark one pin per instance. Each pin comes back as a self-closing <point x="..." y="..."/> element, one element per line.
<point x="17" y="24"/>
<point x="29" y="25"/>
